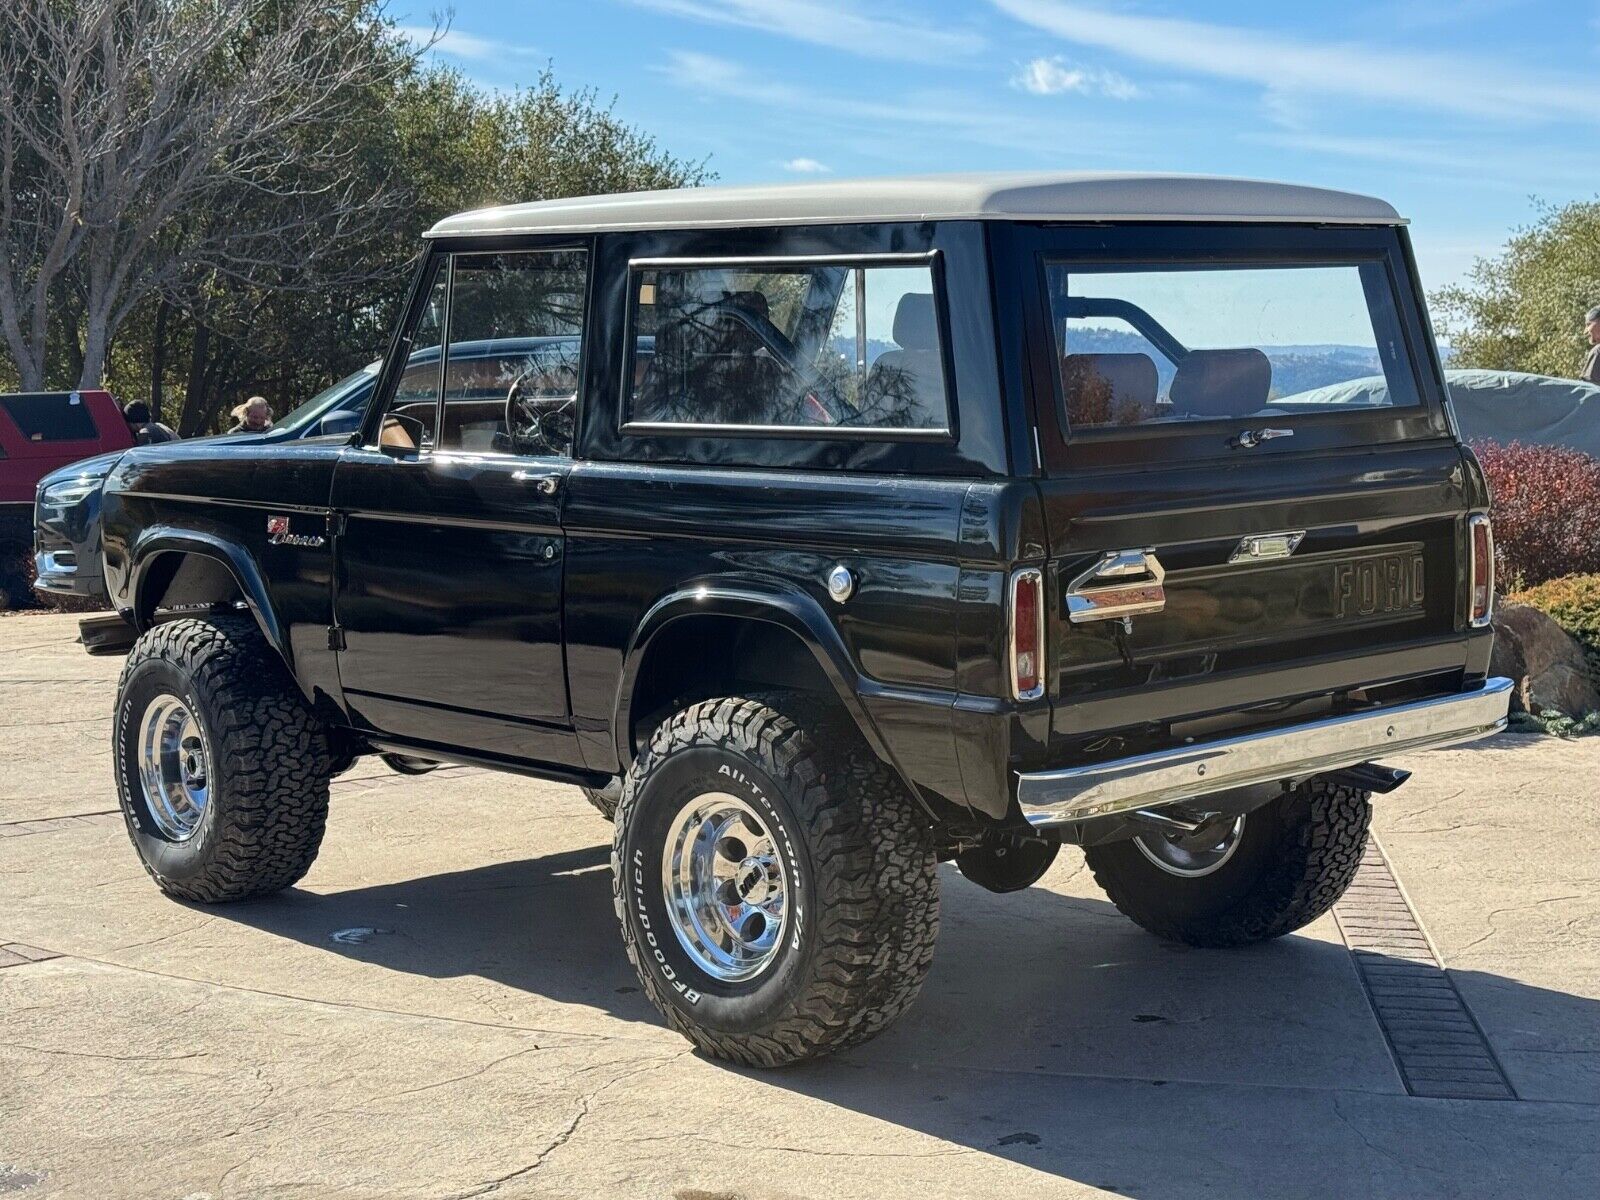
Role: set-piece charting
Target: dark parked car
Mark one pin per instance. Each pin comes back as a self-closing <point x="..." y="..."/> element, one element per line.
<point x="39" y="432"/>
<point x="66" y="507"/>
<point x="863" y="554"/>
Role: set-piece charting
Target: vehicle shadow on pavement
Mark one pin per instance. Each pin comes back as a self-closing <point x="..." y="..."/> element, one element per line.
<point x="1053" y="1033"/>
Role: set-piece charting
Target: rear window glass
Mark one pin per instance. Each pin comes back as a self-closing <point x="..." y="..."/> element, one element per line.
<point x="796" y="345"/>
<point x="50" y="417"/>
<point x="1146" y="344"/>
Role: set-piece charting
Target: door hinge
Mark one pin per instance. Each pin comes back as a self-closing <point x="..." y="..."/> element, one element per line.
<point x="335" y="638"/>
<point x="337" y="523"/>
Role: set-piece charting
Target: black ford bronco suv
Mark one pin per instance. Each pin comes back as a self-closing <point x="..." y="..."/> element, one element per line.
<point x="825" y="533"/>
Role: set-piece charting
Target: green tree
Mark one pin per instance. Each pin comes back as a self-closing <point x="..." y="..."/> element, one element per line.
<point x="1522" y="310"/>
<point x="245" y="184"/>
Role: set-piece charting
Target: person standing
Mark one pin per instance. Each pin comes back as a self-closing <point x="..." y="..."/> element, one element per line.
<point x="1590" y="371"/>
<point x="145" y="431"/>
<point x="253" y="416"/>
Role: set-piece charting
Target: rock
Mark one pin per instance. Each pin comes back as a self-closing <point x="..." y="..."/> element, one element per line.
<point x="1548" y="667"/>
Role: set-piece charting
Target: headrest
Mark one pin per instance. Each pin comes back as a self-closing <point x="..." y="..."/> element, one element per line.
<point x="751" y="301"/>
<point x="1109" y="389"/>
<point x="1221" y="383"/>
<point x="915" y="327"/>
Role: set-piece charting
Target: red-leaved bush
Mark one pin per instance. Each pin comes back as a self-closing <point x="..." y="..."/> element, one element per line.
<point x="1546" y="512"/>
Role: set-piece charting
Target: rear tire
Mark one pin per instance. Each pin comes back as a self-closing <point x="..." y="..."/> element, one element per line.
<point x="222" y="770"/>
<point x="1294" y="858"/>
<point x="816" y="822"/>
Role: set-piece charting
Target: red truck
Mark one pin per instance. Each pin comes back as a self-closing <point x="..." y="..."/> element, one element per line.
<point x="39" y="432"/>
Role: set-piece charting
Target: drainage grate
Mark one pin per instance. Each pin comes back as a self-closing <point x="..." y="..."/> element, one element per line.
<point x="1437" y="1045"/>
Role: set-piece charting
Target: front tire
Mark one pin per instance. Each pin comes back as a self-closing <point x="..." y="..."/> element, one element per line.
<point x="605" y="799"/>
<point x="1280" y="868"/>
<point x="222" y="770"/>
<point x="775" y="882"/>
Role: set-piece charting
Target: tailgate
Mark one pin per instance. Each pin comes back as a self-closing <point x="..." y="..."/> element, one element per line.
<point x="1277" y="578"/>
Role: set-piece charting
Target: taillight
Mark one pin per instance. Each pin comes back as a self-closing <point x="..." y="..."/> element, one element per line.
<point x="1480" y="537"/>
<point x="1027" y="634"/>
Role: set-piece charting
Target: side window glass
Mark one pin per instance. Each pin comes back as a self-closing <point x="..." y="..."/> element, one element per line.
<point x="792" y="345"/>
<point x="512" y="355"/>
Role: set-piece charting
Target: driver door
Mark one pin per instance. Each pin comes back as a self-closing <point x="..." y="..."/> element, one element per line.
<point x="450" y="553"/>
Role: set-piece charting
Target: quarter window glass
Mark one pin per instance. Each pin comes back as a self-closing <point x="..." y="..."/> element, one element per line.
<point x="813" y="346"/>
<point x="416" y="396"/>
<point x="50" y="417"/>
<point x="1143" y="345"/>
<point x="516" y="330"/>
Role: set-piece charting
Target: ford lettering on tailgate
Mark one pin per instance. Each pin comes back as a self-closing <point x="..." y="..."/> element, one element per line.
<point x="1384" y="583"/>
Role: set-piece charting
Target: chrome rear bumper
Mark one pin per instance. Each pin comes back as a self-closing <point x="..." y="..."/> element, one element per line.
<point x="1107" y="788"/>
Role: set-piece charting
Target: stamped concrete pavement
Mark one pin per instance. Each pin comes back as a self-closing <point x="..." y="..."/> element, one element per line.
<point x="443" y="1009"/>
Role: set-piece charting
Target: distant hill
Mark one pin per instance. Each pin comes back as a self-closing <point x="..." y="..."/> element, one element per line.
<point x="1295" y="368"/>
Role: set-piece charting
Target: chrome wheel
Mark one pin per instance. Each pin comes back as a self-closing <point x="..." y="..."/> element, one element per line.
<point x="726" y="885"/>
<point x="1201" y="851"/>
<point x="174" y="768"/>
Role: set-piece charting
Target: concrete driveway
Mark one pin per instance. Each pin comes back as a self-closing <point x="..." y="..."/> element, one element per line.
<point x="443" y="1009"/>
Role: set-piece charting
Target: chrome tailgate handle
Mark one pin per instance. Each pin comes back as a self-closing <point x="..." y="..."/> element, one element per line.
<point x="1124" y="583"/>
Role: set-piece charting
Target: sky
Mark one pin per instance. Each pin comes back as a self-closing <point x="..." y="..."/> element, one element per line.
<point x="1462" y="113"/>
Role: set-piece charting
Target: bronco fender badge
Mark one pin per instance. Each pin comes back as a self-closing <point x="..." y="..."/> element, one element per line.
<point x="278" y="534"/>
<point x="1259" y="547"/>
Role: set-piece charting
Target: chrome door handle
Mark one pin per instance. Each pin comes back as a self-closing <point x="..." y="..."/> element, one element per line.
<point x="546" y="484"/>
<point x="1249" y="439"/>
<point x="1124" y="583"/>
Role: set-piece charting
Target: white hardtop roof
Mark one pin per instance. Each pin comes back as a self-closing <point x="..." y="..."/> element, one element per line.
<point x="1061" y="196"/>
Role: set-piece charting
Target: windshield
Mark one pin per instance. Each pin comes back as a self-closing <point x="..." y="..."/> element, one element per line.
<point x="350" y="388"/>
<point x="1142" y="344"/>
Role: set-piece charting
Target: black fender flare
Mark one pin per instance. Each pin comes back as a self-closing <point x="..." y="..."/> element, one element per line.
<point x="157" y="541"/>
<point x="755" y="600"/>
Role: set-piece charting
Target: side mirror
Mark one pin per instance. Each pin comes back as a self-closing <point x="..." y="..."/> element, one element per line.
<point x="341" y="420"/>
<point x="401" y="436"/>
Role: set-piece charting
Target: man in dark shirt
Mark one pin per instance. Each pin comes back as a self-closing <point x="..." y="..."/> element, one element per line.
<point x="145" y="431"/>
<point x="1590" y="372"/>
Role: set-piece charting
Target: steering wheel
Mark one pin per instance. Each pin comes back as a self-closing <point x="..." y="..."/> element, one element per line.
<point x="539" y="424"/>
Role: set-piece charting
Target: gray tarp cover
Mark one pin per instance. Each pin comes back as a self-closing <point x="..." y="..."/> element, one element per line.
<point x="1507" y="406"/>
<point x="1496" y="406"/>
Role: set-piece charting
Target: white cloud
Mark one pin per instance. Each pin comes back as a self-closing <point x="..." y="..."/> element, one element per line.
<point x="840" y="26"/>
<point x="463" y="45"/>
<point x="1462" y="84"/>
<point x="943" y="116"/>
<point x="807" y="166"/>
<point x="1052" y="76"/>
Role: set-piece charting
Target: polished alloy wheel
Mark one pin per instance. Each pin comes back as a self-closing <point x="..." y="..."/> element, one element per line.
<point x="174" y="767"/>
<point x="1198" y="852"/>
<point x="726" y="886"/>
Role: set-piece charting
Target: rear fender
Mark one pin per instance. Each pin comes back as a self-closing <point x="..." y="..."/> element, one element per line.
<point x="769" y="602"/>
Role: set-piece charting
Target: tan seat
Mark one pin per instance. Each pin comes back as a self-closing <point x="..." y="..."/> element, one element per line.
<point x="1221" y="383"/>
<point x="1109" y="389"/>
<point x="907" y="385"/>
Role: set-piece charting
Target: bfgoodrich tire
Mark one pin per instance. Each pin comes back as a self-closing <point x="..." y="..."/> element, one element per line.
<point x="1291" y="861"/>
<point x="222" y="771"/>
<point x="823" y="925"/>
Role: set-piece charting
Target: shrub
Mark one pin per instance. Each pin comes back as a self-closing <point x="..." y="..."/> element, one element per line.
<point x="1572" y="602"/>
<point x="1546" y="511"/>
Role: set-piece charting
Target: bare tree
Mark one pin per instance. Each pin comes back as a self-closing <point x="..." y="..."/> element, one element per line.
<point x="164" y="146"/>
